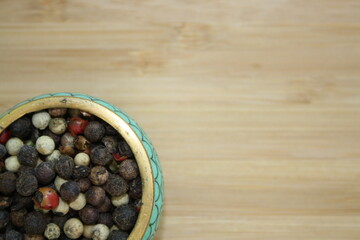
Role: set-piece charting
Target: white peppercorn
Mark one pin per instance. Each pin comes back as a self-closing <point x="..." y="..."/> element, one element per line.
<point x="73" y="228"/>
<point x="57" y="125"/>
<point x="12" y="164"/>
<point x="79" y="203"/>
<point x="52" y="231"/>
<point x="13" y="145"/>
<point x="100" y="232"/>
<point x="120" y="200"/>
<point x="45" y="145"/>
<point x="41" y="120"/>
<point x="82" y="159"/>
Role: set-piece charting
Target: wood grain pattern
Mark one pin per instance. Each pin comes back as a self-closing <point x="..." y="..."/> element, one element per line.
<point x="253" y="106"/>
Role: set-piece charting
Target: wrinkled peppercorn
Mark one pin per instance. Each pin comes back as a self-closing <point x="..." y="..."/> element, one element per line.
<point x="17" y="218"/>
<point x="80" y="172"/>
<point x="89" y="215"/>
<point x="27" y="156"/>
<point x="7" y="183"/>
<point x="69" y="191"/>
<point x="125" y="217"/>
<point x="116" y="185"/>
<point x="64" y="166"/>
<point x="5" y="202"/>
<point x="124" y="149"/>
<point x="95" y="196"/>
<point x="21" y="128"/>
<point x="105" y="206"/>
<point x="110" y="143"/>
<point x="45" y="173"/>
<point x="128" y="169"/>
<point x="13" y="235"/>
<point x="26" y="184"/>
<point x="98" y="175"/>
<point x="94" y="131"/>
<point x="81" y="143"/>
<point x="84" y="184"/>
<point x="35" y="223"/>
<point x="100" y="156"/>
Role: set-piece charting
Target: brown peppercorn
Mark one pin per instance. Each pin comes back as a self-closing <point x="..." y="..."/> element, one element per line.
<point x="116" y="185"/>
<point x="95" y="196"/>
<point x="21" y="128"/>
<point x="105" y="218"/>
<point x="106" y="206"/>
<point x="128" y="169"/>
<point x="89" y="215"/>
<point x="26" y="184"/>
<point x="118" y="235"/>
<point x="100" y="156"/>
<point x="27" y="156"/>
<point x="35" y="223"/>
<point x="84" y="184"/>
<point x="69" y="191"/>
<point x="5" y="202"/>
<point x="45" y="173"/>
<point x="67" y="150"/>
<point x="80" y="172"/>
<point x="81" y="143"/>
<point x="64" y="166"/>
<point x="98" y="175"/>
<point x="7" y="183"/>
<point x="124" y="149"/>
<point x="125" y="217"/>
<point x="110" y="143"/>
<point x="17" y="218"/>
<point x="94" y="131"/>
<point x="57" y="112"/>
<point x="4" y="218"/>
<point x="135" y="190"/>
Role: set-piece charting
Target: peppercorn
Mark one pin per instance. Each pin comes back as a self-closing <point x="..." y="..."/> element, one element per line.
<point x="20" y="202"/>
<point x="120" y="200"/>
<point x="21" y="128"/>
<point x="110" y="143"/>
<point x="53" y="136"/>
<point x="11" y="234"/>
<point x="7" y="183"/>
<point x="4" y="218"/>
<point x="67" y="150"/>
<point x="135" y="190"/>
<point x="124" y="149"/>
<point x="12" y="164"/>
<point x="17" y="218"/>
<point x="109" y="130"/>
<point x="5" y="202"/>
<point x="64" y="166"/>
<point x="106" y="218"/>
<point x="27" y="156"/>
<point x="116" y="185"/>
<point x="82" y="159"/>
<point x="41" y="120"/>
<point x="35" y="223"/>
<point x="57" y="125"/>
<point x="73" y="112"/>
<point x="77" y="125"/>
<point x="45" y="145"/>
<point x="3" y="151"/>
<point x="13" y="145"/>
<point x="79" y="202"/>
<point x="62" y="209"/>
<point x="4" y="136"/>
<point x="52" y="231"/>
<point x="125" y="217"/>
<point x="53" y="157"/>
<point x="67" y="140"/>
<point x="57" y="112"/>
<point x="80" y="172"/>
<point x="81" y="143"/>
<point x="26" y="184"/>
<point x="94" y="131"/>
<point x="100" y="156"/>
<point x="46" y="198"/>
<point x="69" y="191"/>
<point x="118" y="235"/>
<point x="98" y="175"/>
<point x="84" y="184"/>
<point x="100" y="232"/>
<point x="106" y="206"/>
<point x="45" y="173"/>
<point x="95" y="196"/>
<point x="89" y="215"/>
<point x="128" y="169"/>
<point x="73" y="228"/>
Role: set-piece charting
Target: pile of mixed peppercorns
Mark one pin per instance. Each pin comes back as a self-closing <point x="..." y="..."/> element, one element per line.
<point x="66" y="174"/>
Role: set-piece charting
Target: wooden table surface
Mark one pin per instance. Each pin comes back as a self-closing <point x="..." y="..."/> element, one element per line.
<point x="253" y="106"/>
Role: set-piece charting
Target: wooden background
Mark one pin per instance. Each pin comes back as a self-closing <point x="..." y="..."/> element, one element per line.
<point x="253" y="106"/>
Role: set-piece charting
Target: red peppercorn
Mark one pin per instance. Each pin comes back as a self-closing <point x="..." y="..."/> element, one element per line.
<point x="118" y="157"/>
<point x="4" y="136"/>
<point x="77" y="125"/>
<point x="46" y="198"/>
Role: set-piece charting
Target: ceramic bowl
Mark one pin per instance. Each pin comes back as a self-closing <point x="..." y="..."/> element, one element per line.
<point x="145" y="154"/>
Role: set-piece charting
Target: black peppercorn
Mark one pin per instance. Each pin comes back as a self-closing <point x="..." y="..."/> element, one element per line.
<point x="95" y="196"/>
<point x="89" y="215"/>
<point x="17" y="218"/>
<point x="125" y="217"/>
<point x="81" y="143"/>
<point x="116" y="185"/>
<point x="135" y="190"/>
<point x="55" y="138"/>
<point x="13" y="235"/>
<point x="100" y="156"/>
<point x="84" y="184"/>
<point x="27" y="156"/>
<point x="110" y="143"/>
<point x="35" y="223"/>
<point x="80" y="172"/>
<point x="21" y="128"/>
<point x="69" y="191"/>
<point x="26" y="184"/>
<point x="3" y="151"/>
<point x="128" y="169"/>
<point x="106" y="206"/>
<point x="124" y="149"/>
<point x="45" y="173"/>
<point x="4" y="218"/>
<point x="94" y="131"/>
<point x="118" y="235"/>
<point x="26" y="170"/>
<point x="7" y="183"/>
<point x="106" y="218"/>
<point x="64" y="166"/>
<point x="98" y="175"/>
